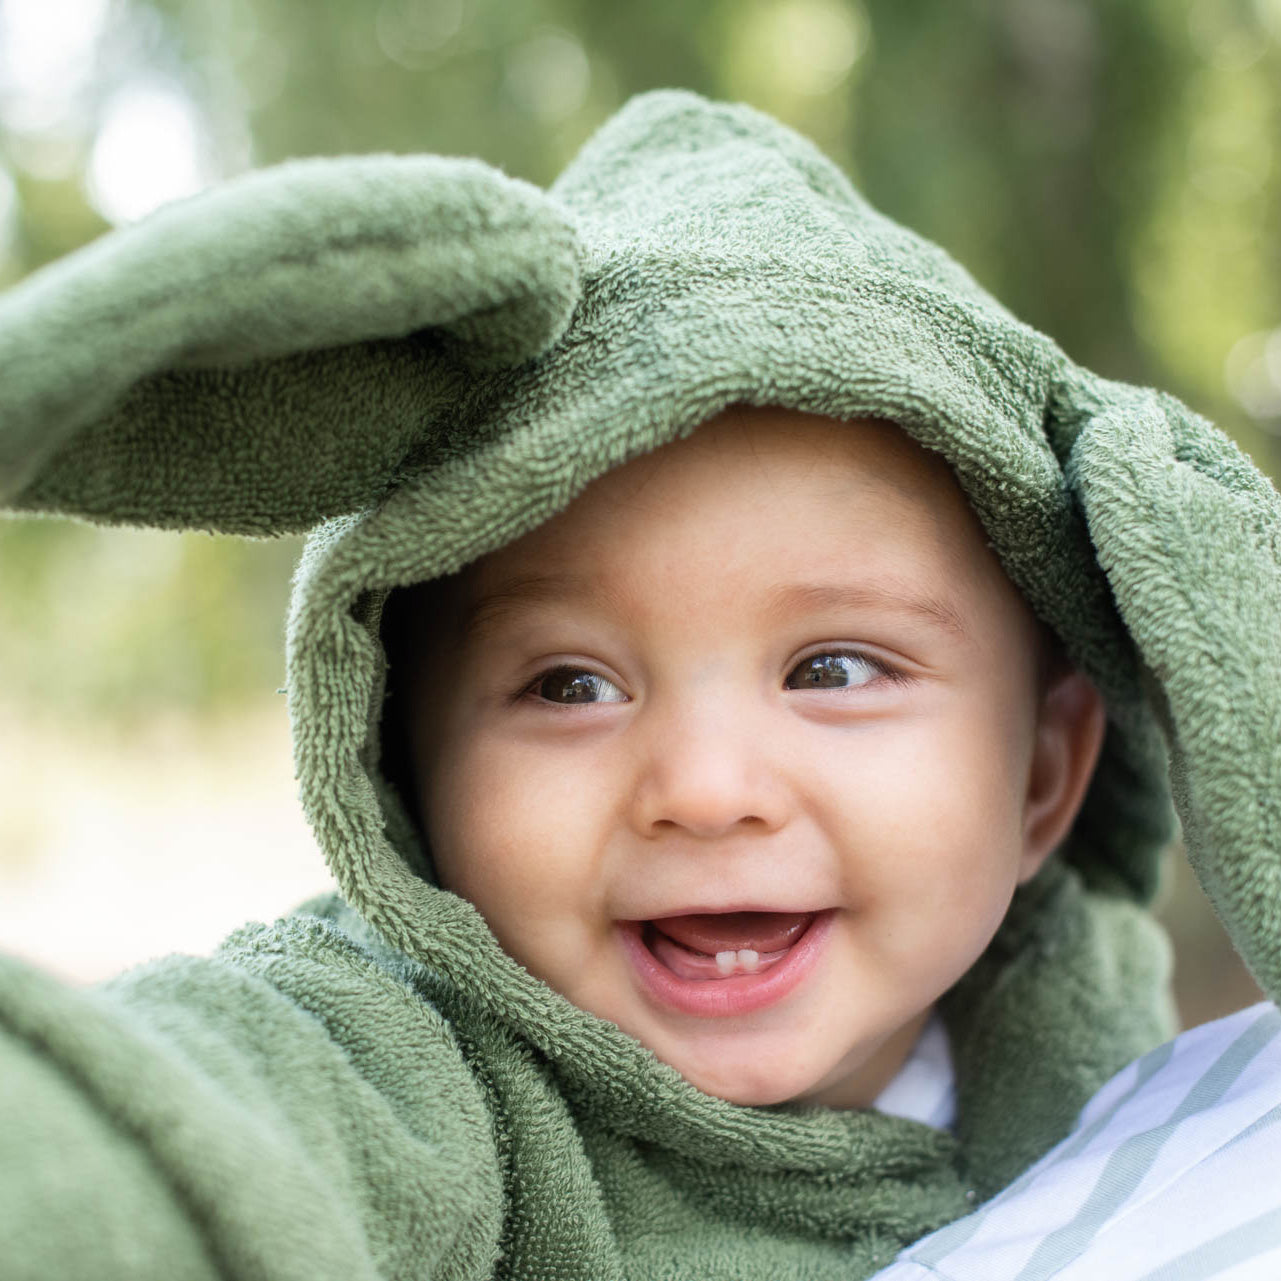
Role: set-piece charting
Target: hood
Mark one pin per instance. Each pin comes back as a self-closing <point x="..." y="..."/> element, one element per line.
<point x="420" y="359"/>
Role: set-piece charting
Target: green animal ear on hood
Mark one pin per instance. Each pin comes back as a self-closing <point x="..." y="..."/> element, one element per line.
<point x="263" y="356"/>
<point x="1189" y="533"/>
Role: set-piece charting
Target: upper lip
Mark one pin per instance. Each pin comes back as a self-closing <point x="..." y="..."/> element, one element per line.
<point x="722" y="909"/>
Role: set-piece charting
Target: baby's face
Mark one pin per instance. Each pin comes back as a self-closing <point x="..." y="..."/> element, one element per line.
<point x="746" y="751"/>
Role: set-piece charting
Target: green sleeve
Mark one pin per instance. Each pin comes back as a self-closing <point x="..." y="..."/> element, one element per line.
<point x="286" y="1109"/>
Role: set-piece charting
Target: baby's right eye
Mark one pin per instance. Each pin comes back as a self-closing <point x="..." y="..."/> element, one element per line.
<point x="568" y="685"/>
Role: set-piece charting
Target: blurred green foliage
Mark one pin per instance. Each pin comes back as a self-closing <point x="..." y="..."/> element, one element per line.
<point x="1106" y="167"/>
<point x="122" y="624"/>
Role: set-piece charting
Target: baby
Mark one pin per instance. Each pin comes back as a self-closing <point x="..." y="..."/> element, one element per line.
<point x="747" y="750"/>
<point x="737" y="672"/>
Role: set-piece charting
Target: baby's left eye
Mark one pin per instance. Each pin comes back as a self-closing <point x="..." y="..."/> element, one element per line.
<point x="837" y="670"/>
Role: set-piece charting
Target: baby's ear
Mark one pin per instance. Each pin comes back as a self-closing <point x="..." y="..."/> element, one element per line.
<point x="262" y="356"/>
<point x="1071" y="722"/>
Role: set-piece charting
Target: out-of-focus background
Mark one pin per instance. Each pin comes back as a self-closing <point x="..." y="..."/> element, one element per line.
<point x="1109" y="168"/>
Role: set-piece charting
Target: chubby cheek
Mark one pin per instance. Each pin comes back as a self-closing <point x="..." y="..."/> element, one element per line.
<point x="934" y="843"/>
<point x="517" y="837"/>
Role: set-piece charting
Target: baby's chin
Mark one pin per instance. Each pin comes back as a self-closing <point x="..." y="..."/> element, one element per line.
<point x="765" y="1067"/>
<point x="754" y="1093"/>
<point x="750" y="1077"/>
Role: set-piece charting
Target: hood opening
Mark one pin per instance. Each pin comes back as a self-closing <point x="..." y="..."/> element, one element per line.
<point x="404" y="624"/>
<point x="392" y="771"/>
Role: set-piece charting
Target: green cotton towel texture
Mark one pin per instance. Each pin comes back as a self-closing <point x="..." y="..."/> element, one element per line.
<point x="418" y="360"/>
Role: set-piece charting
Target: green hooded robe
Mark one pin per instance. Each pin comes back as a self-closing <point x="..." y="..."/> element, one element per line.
<point x="418" y="359"/>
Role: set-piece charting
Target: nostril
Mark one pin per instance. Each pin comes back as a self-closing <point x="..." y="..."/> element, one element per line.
<point x="708" y="788"/>
<point x="708" y="826"/>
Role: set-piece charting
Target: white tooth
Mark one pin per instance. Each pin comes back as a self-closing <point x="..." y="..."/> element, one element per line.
<point x="748" y="961"/>
<point x="726" y="963"/>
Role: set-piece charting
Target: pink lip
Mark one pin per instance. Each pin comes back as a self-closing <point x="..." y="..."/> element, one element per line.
<point x="721" y="998"/>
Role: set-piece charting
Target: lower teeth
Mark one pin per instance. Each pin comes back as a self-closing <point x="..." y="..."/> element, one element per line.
<point x="689" y="964"/>
<point x="743" y="961"/>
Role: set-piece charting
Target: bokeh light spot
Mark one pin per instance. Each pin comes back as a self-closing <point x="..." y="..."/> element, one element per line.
<point x="1253" y="375"/>
<point x="411" y="32"/>
<point x="805" y="47"/>
<point x="1269" y="14"/>
<point x="47" y="53"/>
<point x="548" y="76"/>
<point x="148" y="151"/>
<point x="1224" y="35"/>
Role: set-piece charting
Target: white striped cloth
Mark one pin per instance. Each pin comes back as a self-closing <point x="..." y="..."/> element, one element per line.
<point x="1173" y="1173"/>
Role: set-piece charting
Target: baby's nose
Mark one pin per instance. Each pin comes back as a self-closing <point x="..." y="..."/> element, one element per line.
<point x="709" y="775"/>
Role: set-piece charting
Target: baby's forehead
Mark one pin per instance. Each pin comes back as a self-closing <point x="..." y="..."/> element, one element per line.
<point x="752" y="474"/>
<point x="759" y="525"/>
<point x="774" y="501"/>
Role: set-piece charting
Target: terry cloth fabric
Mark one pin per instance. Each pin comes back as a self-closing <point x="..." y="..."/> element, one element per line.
<point x="1167" y="1176"/>
<point x="428" y="359"/>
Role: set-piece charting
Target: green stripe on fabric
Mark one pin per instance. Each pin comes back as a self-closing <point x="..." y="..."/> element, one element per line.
<point x="1127" y="1166"/>
<point x="934" y="1249"/>
<point x="1213" y="1258"/>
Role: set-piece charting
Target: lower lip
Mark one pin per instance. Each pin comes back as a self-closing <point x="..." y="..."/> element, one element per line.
<point x="722" y="998"/>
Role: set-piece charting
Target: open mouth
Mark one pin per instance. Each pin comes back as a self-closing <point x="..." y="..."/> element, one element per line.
<point x="719" y="945"/>
<point x="716" y="963"/>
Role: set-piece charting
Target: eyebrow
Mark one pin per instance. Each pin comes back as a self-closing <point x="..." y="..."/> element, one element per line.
<point x="514" y="594"/>
<point x="791" y="598"/>
<point x="904" y="598"/>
